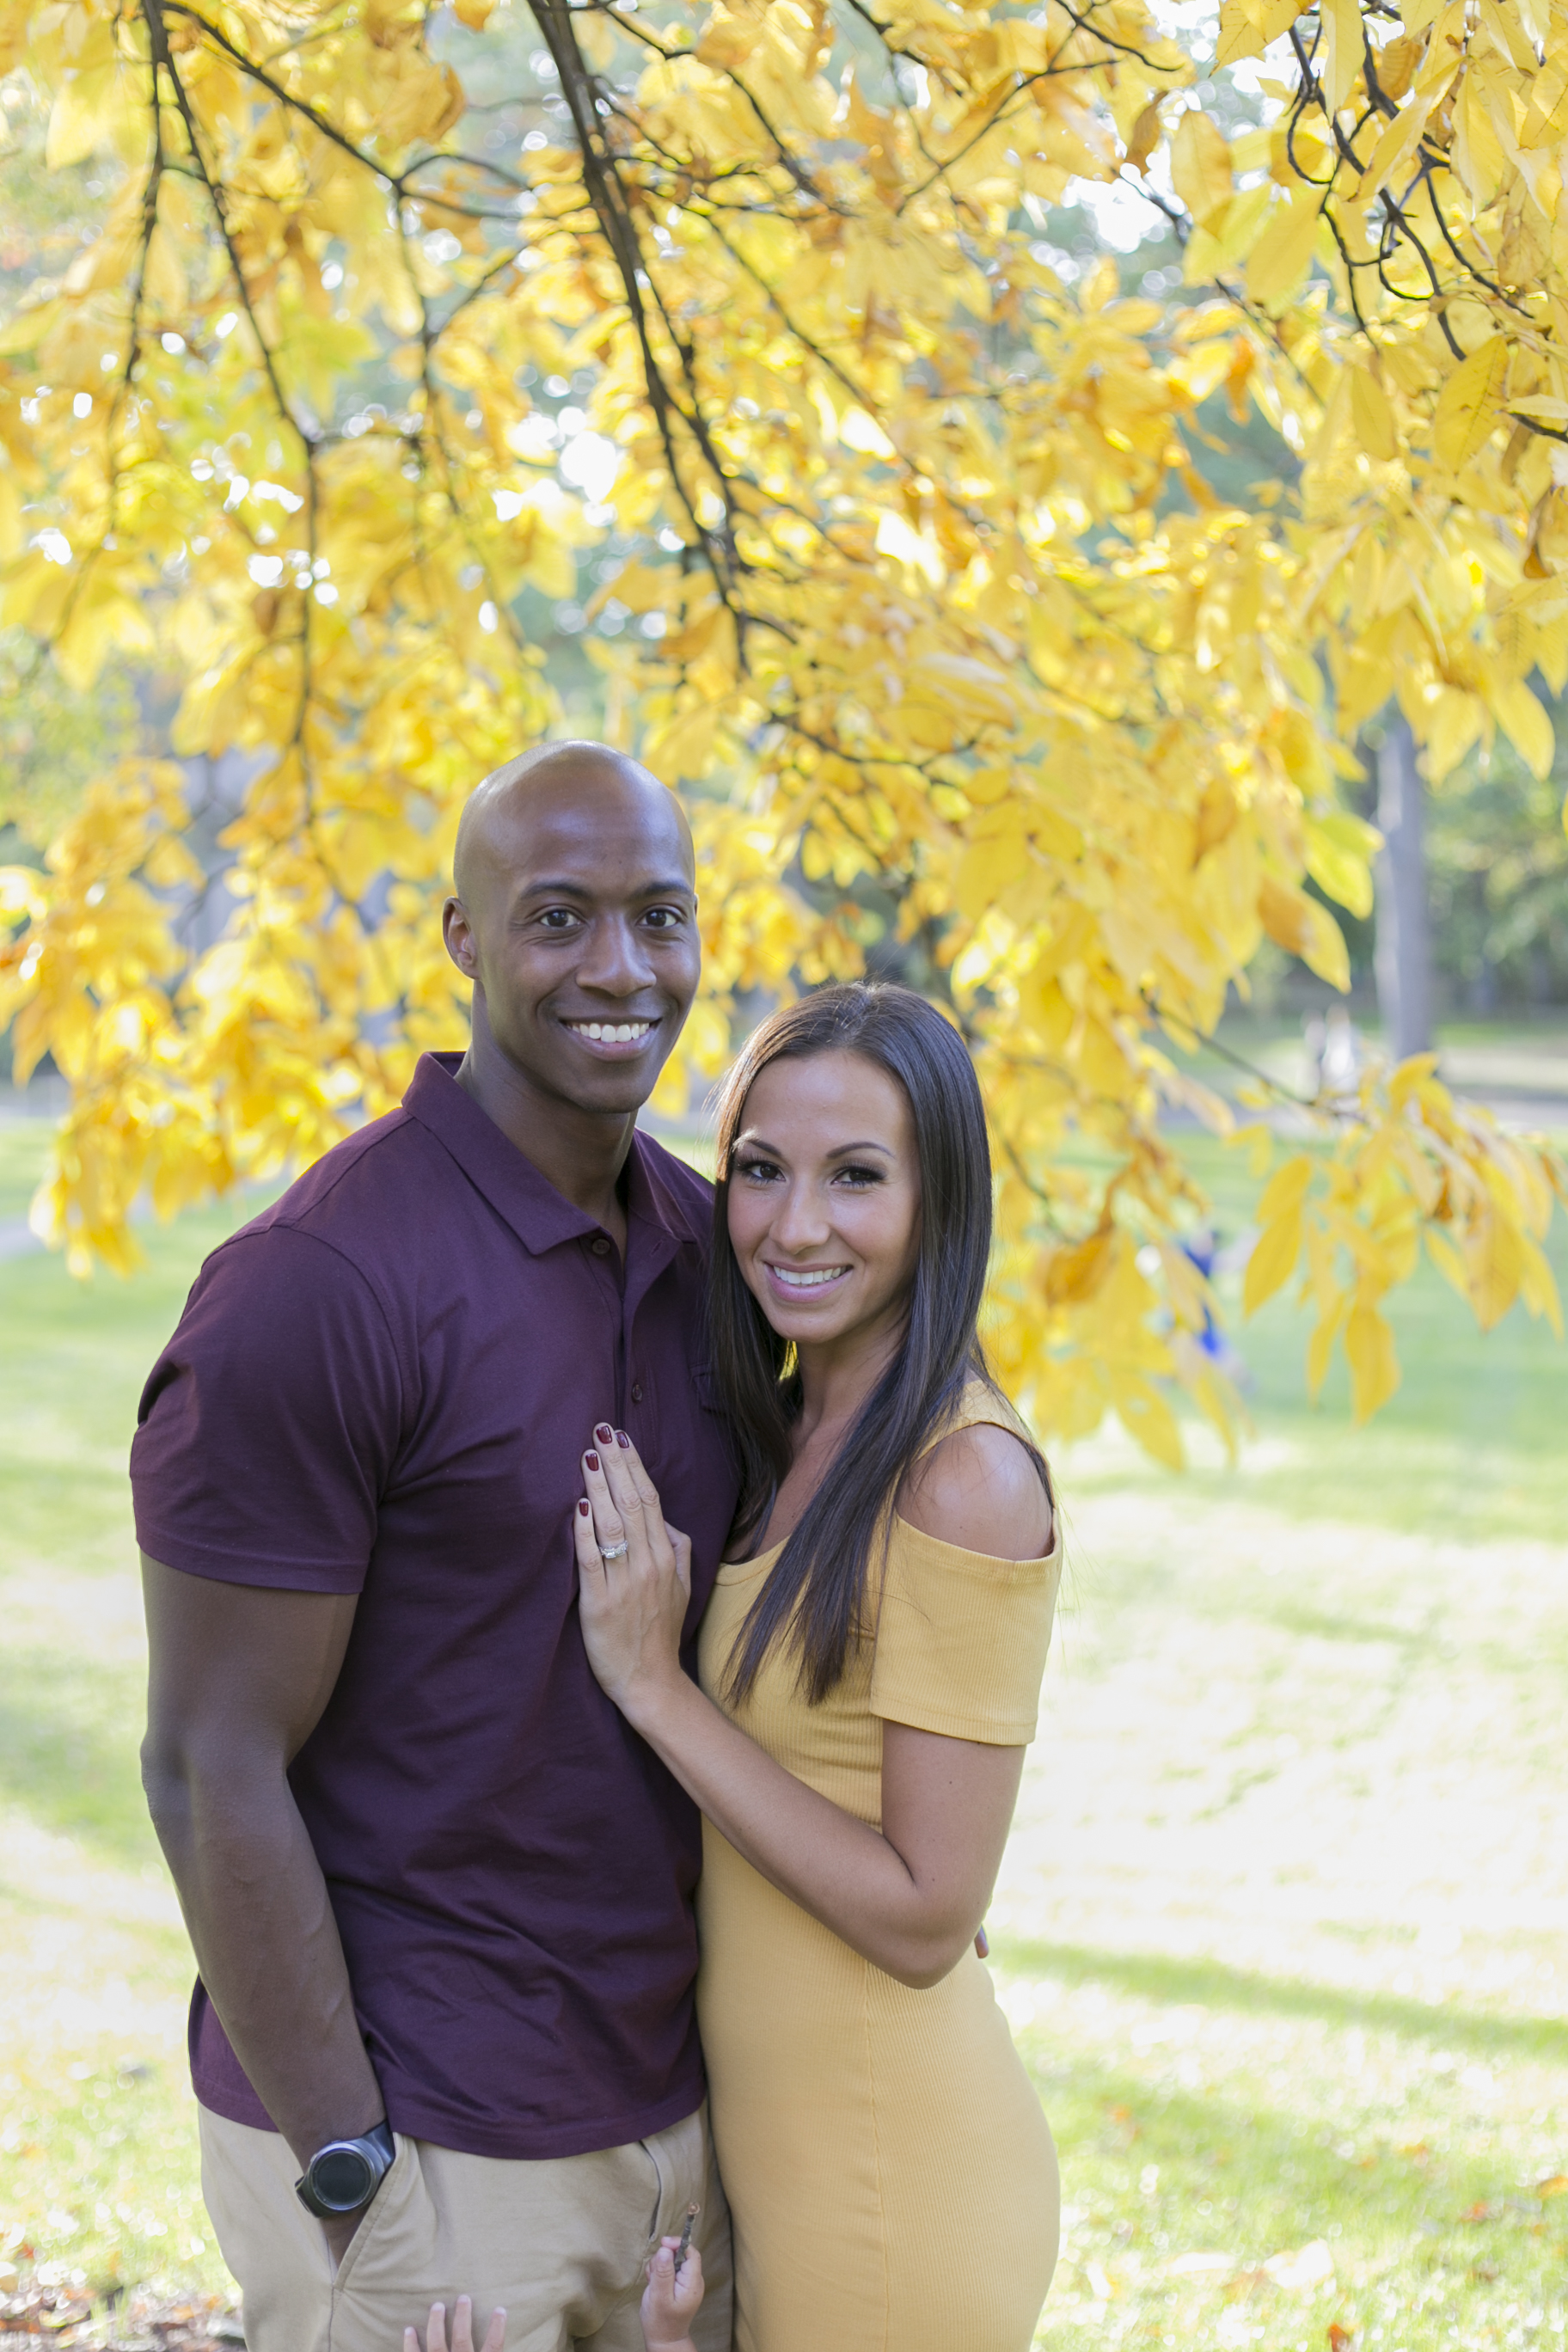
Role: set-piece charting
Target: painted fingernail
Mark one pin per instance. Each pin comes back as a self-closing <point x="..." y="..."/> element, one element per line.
<point x="622" y="1439"/>
<point x="583" y="1509"/>
<point x="604" y="1433"/>
<point x="592" y="1460"/>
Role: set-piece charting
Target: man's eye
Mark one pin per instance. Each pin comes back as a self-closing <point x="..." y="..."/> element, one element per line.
<point x="665" y="919"/>
<point x="558" y="918"/>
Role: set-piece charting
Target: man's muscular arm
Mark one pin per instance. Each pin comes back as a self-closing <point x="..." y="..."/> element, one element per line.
<point x="239" y="1677"/>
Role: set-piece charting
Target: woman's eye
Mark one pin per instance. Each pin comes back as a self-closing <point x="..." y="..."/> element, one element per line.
<point x="757" y="1172"/>
<point x="860" y="1177"/>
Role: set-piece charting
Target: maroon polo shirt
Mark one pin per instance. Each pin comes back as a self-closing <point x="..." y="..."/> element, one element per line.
<point x="382" y="1386"/>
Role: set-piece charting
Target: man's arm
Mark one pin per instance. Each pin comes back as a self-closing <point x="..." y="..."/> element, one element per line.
<point x="239" y="1677"/>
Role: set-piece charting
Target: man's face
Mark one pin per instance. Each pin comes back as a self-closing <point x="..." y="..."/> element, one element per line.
<point x="579" y="932"/>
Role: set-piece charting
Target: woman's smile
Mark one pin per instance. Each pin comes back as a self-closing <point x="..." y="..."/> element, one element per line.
<point x="805" y="1281"/>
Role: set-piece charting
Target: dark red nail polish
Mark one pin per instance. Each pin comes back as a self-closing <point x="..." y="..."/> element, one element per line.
<point x="622" y="1439"/>
<point x="592" y="1460"/>
<point x="583" y="1509"/>
<point x="604" y="1433"/>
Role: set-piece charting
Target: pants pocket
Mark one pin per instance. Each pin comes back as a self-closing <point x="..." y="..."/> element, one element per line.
<point x="394" y="2249"/>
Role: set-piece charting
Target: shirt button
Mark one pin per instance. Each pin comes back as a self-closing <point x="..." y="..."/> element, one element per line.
<point x="601" y="1248"/>
<point x="636" y="1394"/>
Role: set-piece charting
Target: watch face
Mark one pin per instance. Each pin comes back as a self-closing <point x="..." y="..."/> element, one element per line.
<point x="343" y="2179"/>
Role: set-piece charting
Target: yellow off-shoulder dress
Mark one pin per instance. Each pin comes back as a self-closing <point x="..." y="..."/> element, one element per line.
<point x="891" y="2176"/>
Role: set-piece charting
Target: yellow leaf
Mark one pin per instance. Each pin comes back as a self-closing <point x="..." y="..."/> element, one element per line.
<point x="1372" y="415"/>
<point x="1256" y="1139"/>
<point x="1305" y="928"/>
<point x="1283" y="253"/>
<point x="1273" y="1259"/>
<point x="1144" y="136"/>
<point x="1411" y="1075"/>
<point x="1320" y="1346"/>
<point x="1343" y="41"/>
<point x="1525" y="724"/>
<point x="1338" y="848"/>
<point x="1285" y="1189"/>
<point x="1538" y="1284"/>
<point x="1469" y="403"/>
<point x="83" y="116"/>
<point x="1373" y="1358"/>
<point x="1200" y="165"/>
<point x="1448" y="1262"/>
<point x="1147" y="1417"/>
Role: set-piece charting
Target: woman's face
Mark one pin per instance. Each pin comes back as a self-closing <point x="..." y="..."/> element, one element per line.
<point x="825" y="1197"/>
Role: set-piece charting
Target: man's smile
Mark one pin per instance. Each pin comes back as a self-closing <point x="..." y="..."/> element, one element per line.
<point x="620" y="1040"/>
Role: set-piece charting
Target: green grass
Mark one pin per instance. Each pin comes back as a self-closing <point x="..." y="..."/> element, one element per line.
<point x="98" y="2160"/>
<point x="1283" y="1928"/>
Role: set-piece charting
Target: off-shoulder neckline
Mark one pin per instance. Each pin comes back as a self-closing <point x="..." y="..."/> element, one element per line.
<point x="741" y="1572"/>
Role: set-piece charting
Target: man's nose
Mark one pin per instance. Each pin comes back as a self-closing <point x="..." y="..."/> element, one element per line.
<point x="615" y="959"/>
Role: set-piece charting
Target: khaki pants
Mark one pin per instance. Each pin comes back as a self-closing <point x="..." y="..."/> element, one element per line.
<point x="560" y="2243"/>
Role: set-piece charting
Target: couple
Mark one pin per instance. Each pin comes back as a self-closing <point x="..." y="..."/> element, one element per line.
<point x="460" y="1753"/>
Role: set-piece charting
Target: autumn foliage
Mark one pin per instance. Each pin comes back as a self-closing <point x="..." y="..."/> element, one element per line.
<point x="934" y="615"/>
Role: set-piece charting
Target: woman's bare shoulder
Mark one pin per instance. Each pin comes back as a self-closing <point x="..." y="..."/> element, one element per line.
<point x="979" y="1489"/>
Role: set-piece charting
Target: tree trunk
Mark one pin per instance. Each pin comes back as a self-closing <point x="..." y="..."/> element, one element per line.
<point x="1404" y="948"/>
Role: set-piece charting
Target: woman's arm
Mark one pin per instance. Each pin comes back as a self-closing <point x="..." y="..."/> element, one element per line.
<point x="908" y="1897"/>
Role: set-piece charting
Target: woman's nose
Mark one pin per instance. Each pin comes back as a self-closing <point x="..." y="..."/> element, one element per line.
<point x="801" y="1222"/>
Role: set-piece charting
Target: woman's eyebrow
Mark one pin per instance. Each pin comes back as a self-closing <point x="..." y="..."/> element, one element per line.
<point x="839" y="1149"/>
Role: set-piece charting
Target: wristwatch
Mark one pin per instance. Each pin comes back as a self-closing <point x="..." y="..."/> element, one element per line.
<point x="344" y="2175"/>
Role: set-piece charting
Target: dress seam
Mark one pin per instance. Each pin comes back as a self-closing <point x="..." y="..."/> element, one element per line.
<point x="877" y="2157"/>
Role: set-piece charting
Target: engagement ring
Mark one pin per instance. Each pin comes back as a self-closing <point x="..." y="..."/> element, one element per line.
<point x="612" y="1551"/>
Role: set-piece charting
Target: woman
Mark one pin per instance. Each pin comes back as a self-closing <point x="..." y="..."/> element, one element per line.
<point x="870" y="1665"/>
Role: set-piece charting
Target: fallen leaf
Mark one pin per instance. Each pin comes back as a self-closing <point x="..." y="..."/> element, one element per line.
<point x="1309" y="2266"/>
<point x="1556" y="2187"/>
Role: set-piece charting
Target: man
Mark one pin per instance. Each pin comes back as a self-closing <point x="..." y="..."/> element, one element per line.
<point x="440" y="1896"/>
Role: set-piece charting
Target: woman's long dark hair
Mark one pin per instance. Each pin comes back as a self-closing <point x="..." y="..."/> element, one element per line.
<point x="816" y="1594"/>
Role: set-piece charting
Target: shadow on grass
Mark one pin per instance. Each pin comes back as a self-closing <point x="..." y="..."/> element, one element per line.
<point x="68" y="1753"/>
<point x="1209" y="1984"/>
<point x="1171" y="2168"/>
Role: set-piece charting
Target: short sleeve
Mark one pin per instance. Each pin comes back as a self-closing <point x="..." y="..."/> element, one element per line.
<point x="961" y="1639"/>
<point x="270" y="1422"/>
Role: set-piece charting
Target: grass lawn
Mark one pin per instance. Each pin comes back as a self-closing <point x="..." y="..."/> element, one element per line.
<point x="1283" y="1926"/>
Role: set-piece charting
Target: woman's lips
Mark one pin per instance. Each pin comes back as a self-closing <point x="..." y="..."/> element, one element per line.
<point x="806" y="1282"/>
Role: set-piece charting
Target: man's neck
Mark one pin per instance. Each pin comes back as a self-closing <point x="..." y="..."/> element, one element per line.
<point x="580" y="1152"/>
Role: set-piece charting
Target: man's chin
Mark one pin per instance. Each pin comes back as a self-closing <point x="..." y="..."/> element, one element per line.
<point x="610" y="1089"/>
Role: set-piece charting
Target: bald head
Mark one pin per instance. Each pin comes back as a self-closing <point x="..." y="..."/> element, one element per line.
<point x="574" y="916"/>
<point x="557" y="776"/>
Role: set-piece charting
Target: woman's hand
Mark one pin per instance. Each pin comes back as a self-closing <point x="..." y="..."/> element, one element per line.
<point x="462" y="2330"/>
<point x="634" y="1604"/>
<point x="672" y="2298"/>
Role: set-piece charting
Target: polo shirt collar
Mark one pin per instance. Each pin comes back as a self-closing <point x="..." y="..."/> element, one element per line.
<point x="540" y="1216"/>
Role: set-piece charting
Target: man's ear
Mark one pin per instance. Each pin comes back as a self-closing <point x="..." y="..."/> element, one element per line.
<point x="458" y="934"/>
